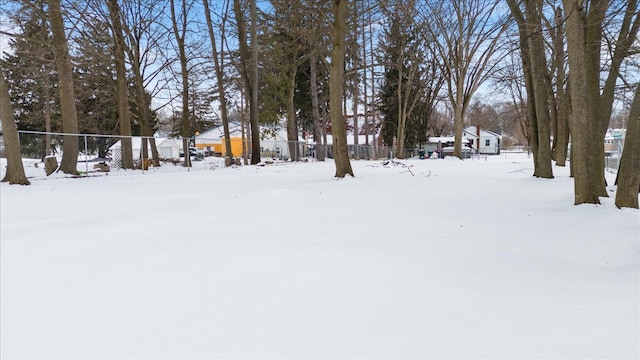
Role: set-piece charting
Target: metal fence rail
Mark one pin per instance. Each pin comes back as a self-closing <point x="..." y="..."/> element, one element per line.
<point x="95" y="149"/>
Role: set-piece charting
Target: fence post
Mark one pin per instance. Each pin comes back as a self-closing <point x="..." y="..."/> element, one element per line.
<point x="86" y="160"/>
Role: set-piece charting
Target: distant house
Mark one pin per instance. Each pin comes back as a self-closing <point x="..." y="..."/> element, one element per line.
<point x="213" y="140"/>
<point x="614" y="141"/>
<point x="273" y="141"/>
<point x="167" y="148"/>
<point x="483" y="141"/>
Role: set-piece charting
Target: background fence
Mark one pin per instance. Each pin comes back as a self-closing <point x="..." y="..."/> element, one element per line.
<point x="94" y="149"/>
<point x="97" y="149"/>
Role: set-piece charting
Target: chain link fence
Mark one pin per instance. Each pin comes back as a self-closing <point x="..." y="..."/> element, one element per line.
<point x="104" y="153"/>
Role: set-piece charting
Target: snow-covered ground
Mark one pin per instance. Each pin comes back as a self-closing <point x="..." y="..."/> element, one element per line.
<point x="466" y="259"/>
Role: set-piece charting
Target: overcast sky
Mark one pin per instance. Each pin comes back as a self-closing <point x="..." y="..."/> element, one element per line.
<point x="4" y="39"/>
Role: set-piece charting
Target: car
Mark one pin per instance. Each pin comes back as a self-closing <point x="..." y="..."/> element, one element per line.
<point x="194" y="152"/>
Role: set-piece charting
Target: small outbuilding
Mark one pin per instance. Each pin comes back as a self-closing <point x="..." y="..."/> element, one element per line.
<point x="167" y="148"/>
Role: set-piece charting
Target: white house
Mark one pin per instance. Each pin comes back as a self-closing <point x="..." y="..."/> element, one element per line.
<point x="167" y="148"/>
<point x="274" y="142"/>
<point x="483" y="141"/>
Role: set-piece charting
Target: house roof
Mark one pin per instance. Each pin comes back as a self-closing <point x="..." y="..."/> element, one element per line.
<point x="472" y="131"/>
<point x="267" y="133"/>
<point x="235" y="130"/>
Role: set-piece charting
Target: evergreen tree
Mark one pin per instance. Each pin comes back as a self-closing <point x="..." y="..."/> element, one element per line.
<point x="32" y="79"/>
<point x="95" y="86"/>
<point x="406" y="95"/>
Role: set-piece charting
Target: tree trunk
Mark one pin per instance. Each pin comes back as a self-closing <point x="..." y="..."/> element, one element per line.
<point x="219" y="69"/>
<point x="124" y="119"/>
<point x="292" y="123"/>
<point x="561" y="137"/>
<point x="402" y="120"/>
<point x="15" y="169"/>
<point x="47" y="119"/>
<point x="629" y="173"/>
<point x="145" y="127"/>
<point x="621" y="50"/>
<point x="336" y="90"/>
<point x="315" y="109"/>
<point x="65" y="88"/>
<point x="583" y="107"/>
<point x="249" y="70"/>
<point x="253" y="111"/>
<point x="458" y="122"/>
<point x="184" y="72"/>
<point x="540" y="86"/>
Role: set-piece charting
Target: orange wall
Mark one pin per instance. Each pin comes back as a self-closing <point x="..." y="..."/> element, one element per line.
<point x="236" y="147"/>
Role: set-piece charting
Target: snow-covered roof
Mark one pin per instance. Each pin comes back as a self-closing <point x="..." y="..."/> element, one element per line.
<point x="235" y="130"/>
<point x="472" y="131"/>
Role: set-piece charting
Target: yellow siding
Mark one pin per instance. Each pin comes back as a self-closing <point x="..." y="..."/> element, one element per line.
<point x="236" y="147"/>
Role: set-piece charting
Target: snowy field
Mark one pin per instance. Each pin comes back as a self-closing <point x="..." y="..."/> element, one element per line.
<point x="466" y="259"/>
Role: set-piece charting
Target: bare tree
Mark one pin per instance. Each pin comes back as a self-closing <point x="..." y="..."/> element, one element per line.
<point x="15" y="169"/>
<point x="122" y="87"/>
<point x="249" y="71"/>
<point x="65" y="84"/>
<point x="466" y="35"/>
<point x="560" y="111"/>
<point x="141" y="19"/>
<point x="590" y="104"/>
<point x="629" y="173"/>
<point x="218" y="61"/>
<point x="179" y="26"/>
<point x="336" y="85"/>
<point x="534" y="61"/>
<point x="407" y="64"/>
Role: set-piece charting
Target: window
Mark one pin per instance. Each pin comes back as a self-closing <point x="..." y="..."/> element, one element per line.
<point x="487" y="142"/>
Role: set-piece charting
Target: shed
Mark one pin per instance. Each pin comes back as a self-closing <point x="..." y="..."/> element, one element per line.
<point x="167" y="148"/>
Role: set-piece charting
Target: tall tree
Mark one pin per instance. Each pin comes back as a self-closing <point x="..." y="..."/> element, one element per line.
<point x="32" y="58"/>
<point x="67" y="93"/>
<point x="629" y="173"/>
<point x="336" y="86"/>
<point x="407" y="86"/>
<point x="560" y="126"/>
<point x="122" y="85"/>
<point x="95" y="85"/>
<point x="141" y="26"/>
<point x="290" y="23"/>
<point x="249" y="71"/>
<point x="179" y="23"/>
<point x="218" y="62"/>
<point x="532" y="52"/>
<point x="591" y="104"/>
<point x="15" y="169"/>
<point x="466" y="34"/>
